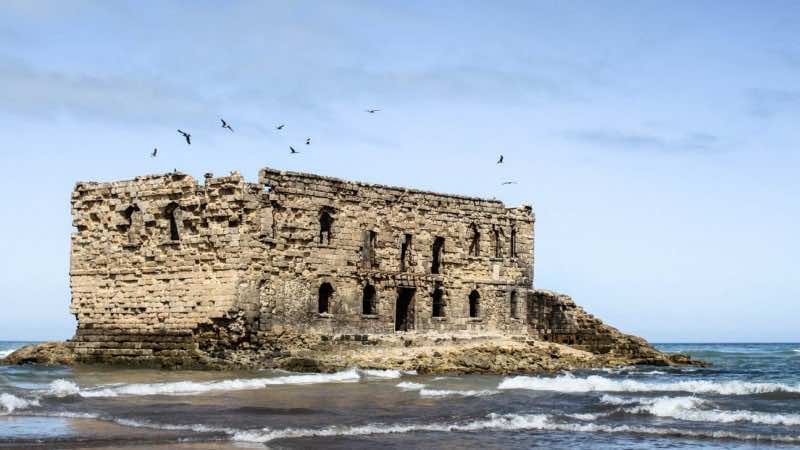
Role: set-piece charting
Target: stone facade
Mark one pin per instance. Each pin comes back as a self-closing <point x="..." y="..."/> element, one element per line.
<point x="162" y="266"/>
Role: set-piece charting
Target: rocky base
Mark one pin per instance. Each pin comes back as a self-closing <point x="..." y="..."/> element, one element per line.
<point x="439" y="354"/>
<point x="47" y="354"/>
<point x="424" y="353"/>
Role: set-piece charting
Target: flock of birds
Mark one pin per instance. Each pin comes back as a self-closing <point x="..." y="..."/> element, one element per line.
<point x="224" y="124"/>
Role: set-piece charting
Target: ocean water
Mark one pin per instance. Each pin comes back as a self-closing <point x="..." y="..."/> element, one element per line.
<point x="750" y="398"/>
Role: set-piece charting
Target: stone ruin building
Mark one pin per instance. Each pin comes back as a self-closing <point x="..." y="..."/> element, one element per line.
<point x="159" y="263"/>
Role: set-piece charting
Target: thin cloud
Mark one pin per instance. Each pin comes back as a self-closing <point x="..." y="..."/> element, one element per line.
<point x="767" y="103"/>
<point x="689" y="142"/>
<point x="30" y="91"/>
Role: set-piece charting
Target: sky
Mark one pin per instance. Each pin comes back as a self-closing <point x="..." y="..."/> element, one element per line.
<point x="656" y="141"/>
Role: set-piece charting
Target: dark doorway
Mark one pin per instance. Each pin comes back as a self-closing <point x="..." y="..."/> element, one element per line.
<point x="474" y="304"/>
<point x="368" y="300"/>
<point x="324" y="299"/>
<point x="404" y="310"/>
<point x="438" y="303"/>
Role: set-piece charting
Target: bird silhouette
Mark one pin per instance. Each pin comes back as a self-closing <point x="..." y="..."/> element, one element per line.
<point x="508" y="182"/>
<point x="226" y="125"/>
<point x="372" y="111"/>
<point x="500" y="161"/>
<point x="155" y="153"/>
<point x="308" y="141"/>
<point x="187" y="136"/>
<point x="293" y="151"/>
<point x="280" y="127"/>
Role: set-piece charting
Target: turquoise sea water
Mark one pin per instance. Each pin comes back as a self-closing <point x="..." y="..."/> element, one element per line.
<point x="750" y="398"/>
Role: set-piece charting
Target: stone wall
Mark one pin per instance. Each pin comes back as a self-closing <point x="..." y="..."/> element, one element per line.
<point x="163" y="266"/>
<point x="371" y="225"/>
<point x="555" y="317"/>
<point x="151" y="259"/>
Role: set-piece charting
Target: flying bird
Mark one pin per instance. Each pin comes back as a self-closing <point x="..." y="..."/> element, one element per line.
<point x="508" y="182"/>
<point x="293" y="151"/>
<point x="155" y="153"/>
<point x="187" y="136"/>
<point x="372" y="111"/>
<point x="500" y="161"/>
<point x="280" y="127"/>
<point x="226" y="125"/>
<point x="308" y="141"/>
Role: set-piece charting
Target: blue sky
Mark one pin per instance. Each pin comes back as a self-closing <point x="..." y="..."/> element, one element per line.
<point x="657" y="141"/>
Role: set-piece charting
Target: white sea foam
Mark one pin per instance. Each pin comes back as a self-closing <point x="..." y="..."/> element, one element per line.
<point x="4" y="353"/>
<point x="61" y="388"/>
<point x="199" y="428"/>
<point x="693" y="409"/>
<point x="507" y="422"/>
<point x="494" y="421"/>
<point x="375" y="373"/>
<point x="454" y="393"/>
<point x="498" y="422"/>
<point x="585" y="416"/>
<point x="409" y="386"/>
<point x="571" y="383"/>
<point x="10" y="403"/>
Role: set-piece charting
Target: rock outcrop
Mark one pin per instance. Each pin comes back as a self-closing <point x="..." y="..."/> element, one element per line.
<point x="47" y="354"/>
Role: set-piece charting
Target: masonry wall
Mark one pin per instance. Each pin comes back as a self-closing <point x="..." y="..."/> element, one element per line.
<point x="138" y="292"/>
<point x="162" y="266"/>
<point x="301" y="261"/>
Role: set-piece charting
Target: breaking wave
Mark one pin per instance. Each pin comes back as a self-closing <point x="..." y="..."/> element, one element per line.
<point x="375" y="373"/>
<point x="694" y="409"/>
<point x="425" y="392"/>
<point x="506" y="422"/>
<point x="571" y="383"/>
<point x="385" y="373"/>
<point x="452" y="392"/>
<point x="502" y="422"/>
<point x="10" y="403"/>
<point x="62" y="388"/>
<point x="4" y="353"/>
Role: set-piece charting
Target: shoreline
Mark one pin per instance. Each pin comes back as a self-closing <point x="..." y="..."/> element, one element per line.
<point x="423" y="353"/>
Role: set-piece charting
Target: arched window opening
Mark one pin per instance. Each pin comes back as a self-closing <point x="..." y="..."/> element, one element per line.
<point x="325" y="227"/>
<point x="498" y="248"/>
<point x="475" y="241"/>
<point x="324" y="300"/>
<point x="513" y="244"/>
<point x="438" y="303"/>
<point x="128" y="214"/>
<point x="133" y="226"/>
<point x="438" y="250"/>
<point x="513" y="305"/>
<point x="368" y="300"/>
<point x="474" y="304"/>
<point x="370" y="240"/>
<point x="174" y="213"/>
<point x="405" y="253"/>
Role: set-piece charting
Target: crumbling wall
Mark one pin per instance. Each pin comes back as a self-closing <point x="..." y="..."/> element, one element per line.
<point x="555" y="317"/>
<point x="152" y="258"/>
<point x="387" y="237"/>
<point x="166" y="270"/>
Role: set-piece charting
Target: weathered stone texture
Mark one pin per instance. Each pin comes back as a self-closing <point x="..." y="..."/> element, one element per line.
<point x="555" y="317"/>
<point x="162" y="266"/>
